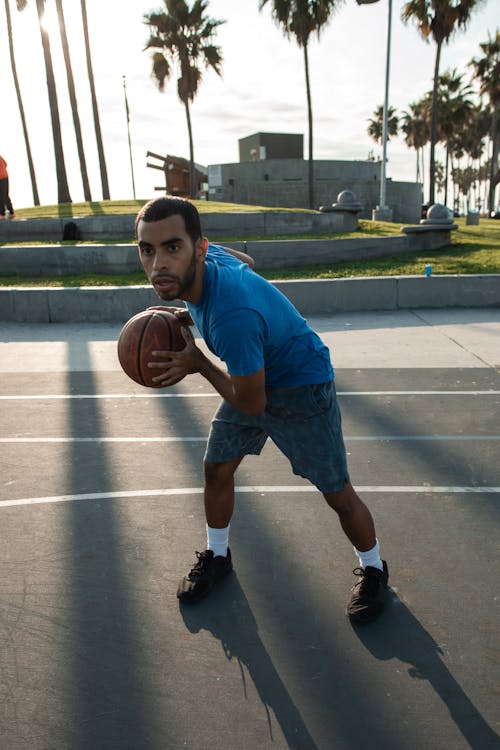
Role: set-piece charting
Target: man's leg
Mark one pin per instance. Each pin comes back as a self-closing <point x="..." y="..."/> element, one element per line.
<point x="370" y="592"/>
<point x="215" y="562"/>
<point x="355" y="518"/>
<point x="3" y="196"/>
<point x="219" y="492"/>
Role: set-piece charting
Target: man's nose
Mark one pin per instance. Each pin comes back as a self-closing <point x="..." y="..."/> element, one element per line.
<point x="160" y="260"/>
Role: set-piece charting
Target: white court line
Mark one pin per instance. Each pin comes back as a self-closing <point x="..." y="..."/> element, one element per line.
<point x="82" y="396"/>
<point x="202" y="439"/>
<point x="400" y="489"/>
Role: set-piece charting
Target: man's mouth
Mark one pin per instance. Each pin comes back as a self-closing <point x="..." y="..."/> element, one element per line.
<point x="164" y="282"/>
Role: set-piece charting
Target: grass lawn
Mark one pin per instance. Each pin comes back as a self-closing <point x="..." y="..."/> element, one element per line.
<point x="474" y="249"/>
<point x="101" y="208"/>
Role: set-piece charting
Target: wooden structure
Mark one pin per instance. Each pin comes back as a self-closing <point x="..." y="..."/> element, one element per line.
<point x="176" y="171"/>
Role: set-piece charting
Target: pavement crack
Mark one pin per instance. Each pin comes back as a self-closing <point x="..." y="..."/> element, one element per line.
<point x="445" y="335"/>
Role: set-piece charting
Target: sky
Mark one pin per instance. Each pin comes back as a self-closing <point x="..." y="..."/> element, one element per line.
<point x="262" y="89"/>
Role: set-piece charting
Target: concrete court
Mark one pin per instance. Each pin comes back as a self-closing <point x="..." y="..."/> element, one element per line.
<point x="101" y="513"/>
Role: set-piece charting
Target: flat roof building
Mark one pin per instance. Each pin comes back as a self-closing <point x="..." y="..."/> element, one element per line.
<point x="262" y="146"/>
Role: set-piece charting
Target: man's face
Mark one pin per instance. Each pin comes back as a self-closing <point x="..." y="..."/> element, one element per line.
<point x="173" y="264"/>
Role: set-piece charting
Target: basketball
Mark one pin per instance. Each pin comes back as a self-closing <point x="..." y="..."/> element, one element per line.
<point x="146" y="332"/>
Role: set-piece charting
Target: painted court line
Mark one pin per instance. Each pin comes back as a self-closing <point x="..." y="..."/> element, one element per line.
<point x="202" y="439"/>
<point x="254" y="489"/>
<point x="83" y="396"/>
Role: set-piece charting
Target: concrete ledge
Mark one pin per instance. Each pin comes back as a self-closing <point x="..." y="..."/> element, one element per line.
<point x="449" y="291"/>
<point x="63" y="260"/>
<point x="107" y="304"/>
<point x="121" y="227"/>
<point x="300" y="253"/>
<point x="335" y="295"/>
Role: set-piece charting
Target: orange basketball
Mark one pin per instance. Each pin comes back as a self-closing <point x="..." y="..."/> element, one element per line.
<point x="146" y="332"/>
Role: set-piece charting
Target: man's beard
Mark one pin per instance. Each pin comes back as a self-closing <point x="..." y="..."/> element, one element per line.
<point x="183" y="282"/>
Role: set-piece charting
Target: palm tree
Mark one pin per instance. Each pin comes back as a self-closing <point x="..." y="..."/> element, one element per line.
<point x="415" y="127"/>
<point x="487" y="71"/>
<point x="63" y="195"/>
<point x="301" y="18"/>
<point x="454" y="112"/>
<point x="72" y="97"/>
<point x="440" y="178"/>
<point x="95" y="108"/>
<point x="21" y="4"/>
<point x="376" y="124"/>
<point x="183" y="38"/>
<point x="437" y="19"/>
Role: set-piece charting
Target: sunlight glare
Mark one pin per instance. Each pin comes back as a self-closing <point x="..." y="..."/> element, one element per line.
<point x="50" y="22"/>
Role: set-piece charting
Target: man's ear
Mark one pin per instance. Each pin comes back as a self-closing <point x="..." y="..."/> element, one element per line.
<point x="201" y="247"/>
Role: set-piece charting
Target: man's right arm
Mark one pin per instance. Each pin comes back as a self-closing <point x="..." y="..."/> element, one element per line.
<point x="245" y="392"/>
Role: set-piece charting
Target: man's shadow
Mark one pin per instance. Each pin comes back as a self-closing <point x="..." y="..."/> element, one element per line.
<point x="399" y="635"/>
<point x="227" y="615"/>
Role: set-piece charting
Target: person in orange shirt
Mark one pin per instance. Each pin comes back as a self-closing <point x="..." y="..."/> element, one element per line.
<point x="5" y="202"/>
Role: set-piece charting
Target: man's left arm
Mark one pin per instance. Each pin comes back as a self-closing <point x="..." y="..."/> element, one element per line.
<point x="244" y="257"/>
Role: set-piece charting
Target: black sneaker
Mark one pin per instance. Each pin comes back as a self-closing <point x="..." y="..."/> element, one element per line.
<point x="369" y="594"/>
<point x="202" y="577"/>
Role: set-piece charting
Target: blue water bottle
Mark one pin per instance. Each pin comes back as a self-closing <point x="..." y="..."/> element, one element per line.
<point x="428" y="270"/>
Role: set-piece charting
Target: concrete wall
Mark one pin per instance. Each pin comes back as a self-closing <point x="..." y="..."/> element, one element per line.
<point x="216" y="225"/>
<point x="107" y="304"/>
<point x="283" y="182"/>
<point x="275" y="146"/>
<point x="63" y="260"/>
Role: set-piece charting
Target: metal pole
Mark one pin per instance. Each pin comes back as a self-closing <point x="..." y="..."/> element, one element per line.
<point x="128" y="131"/>
<point x="386" y="112"/>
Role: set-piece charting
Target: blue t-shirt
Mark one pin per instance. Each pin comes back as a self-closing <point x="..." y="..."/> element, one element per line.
<point x="249" y="324"/>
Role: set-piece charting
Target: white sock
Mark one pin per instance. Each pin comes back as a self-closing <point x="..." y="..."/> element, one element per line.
<point x="371" y="557"/>
<point x="217" y="540"/>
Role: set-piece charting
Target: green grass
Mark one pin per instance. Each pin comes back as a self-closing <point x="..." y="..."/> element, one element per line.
<point x="101" y="208"/>
<point x="474" y="249"/>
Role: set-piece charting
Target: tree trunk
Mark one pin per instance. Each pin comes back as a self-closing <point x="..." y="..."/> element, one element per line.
<point x="63" y="195"/>
<point x="494" y="159"/>
<point x="36" y="199"/>
<point x="95" y="109"/>
<point x="74" y="105"/>
<point x="192" y="174"/>
<point x="310" y="121"/>
<point x="434" y="119"/>
<point x="446" y="175"/>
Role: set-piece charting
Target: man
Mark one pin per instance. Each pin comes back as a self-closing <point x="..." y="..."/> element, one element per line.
<point x="5" y="202"/>
<point x="278" y="384"/>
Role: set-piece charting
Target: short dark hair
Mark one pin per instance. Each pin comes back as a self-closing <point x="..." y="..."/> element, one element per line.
<point x="161" y="208"/>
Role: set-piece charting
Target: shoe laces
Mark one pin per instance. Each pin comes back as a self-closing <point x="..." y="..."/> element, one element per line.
<point x="199" y="567"/>
<point x="368" y="584"/>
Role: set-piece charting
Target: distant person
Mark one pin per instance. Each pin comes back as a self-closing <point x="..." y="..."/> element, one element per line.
<point x="5" y="202"/>
<point x="278" y="384"/>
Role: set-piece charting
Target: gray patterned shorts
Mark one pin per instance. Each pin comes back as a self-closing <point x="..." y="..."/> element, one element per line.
<point x="303" y="421"/>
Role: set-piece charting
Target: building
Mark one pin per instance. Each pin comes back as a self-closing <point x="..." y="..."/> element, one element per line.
<point x="272" y="172"/>
<point x="262" y="146"/>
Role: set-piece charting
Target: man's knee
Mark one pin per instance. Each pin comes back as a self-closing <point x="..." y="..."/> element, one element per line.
<point x="344" y="501"/>
<point x="220" y="472"/>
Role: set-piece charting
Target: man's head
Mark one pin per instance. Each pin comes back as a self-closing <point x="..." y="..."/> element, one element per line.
<point x="171" y="248"/>
<point x="161" y="208"/>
